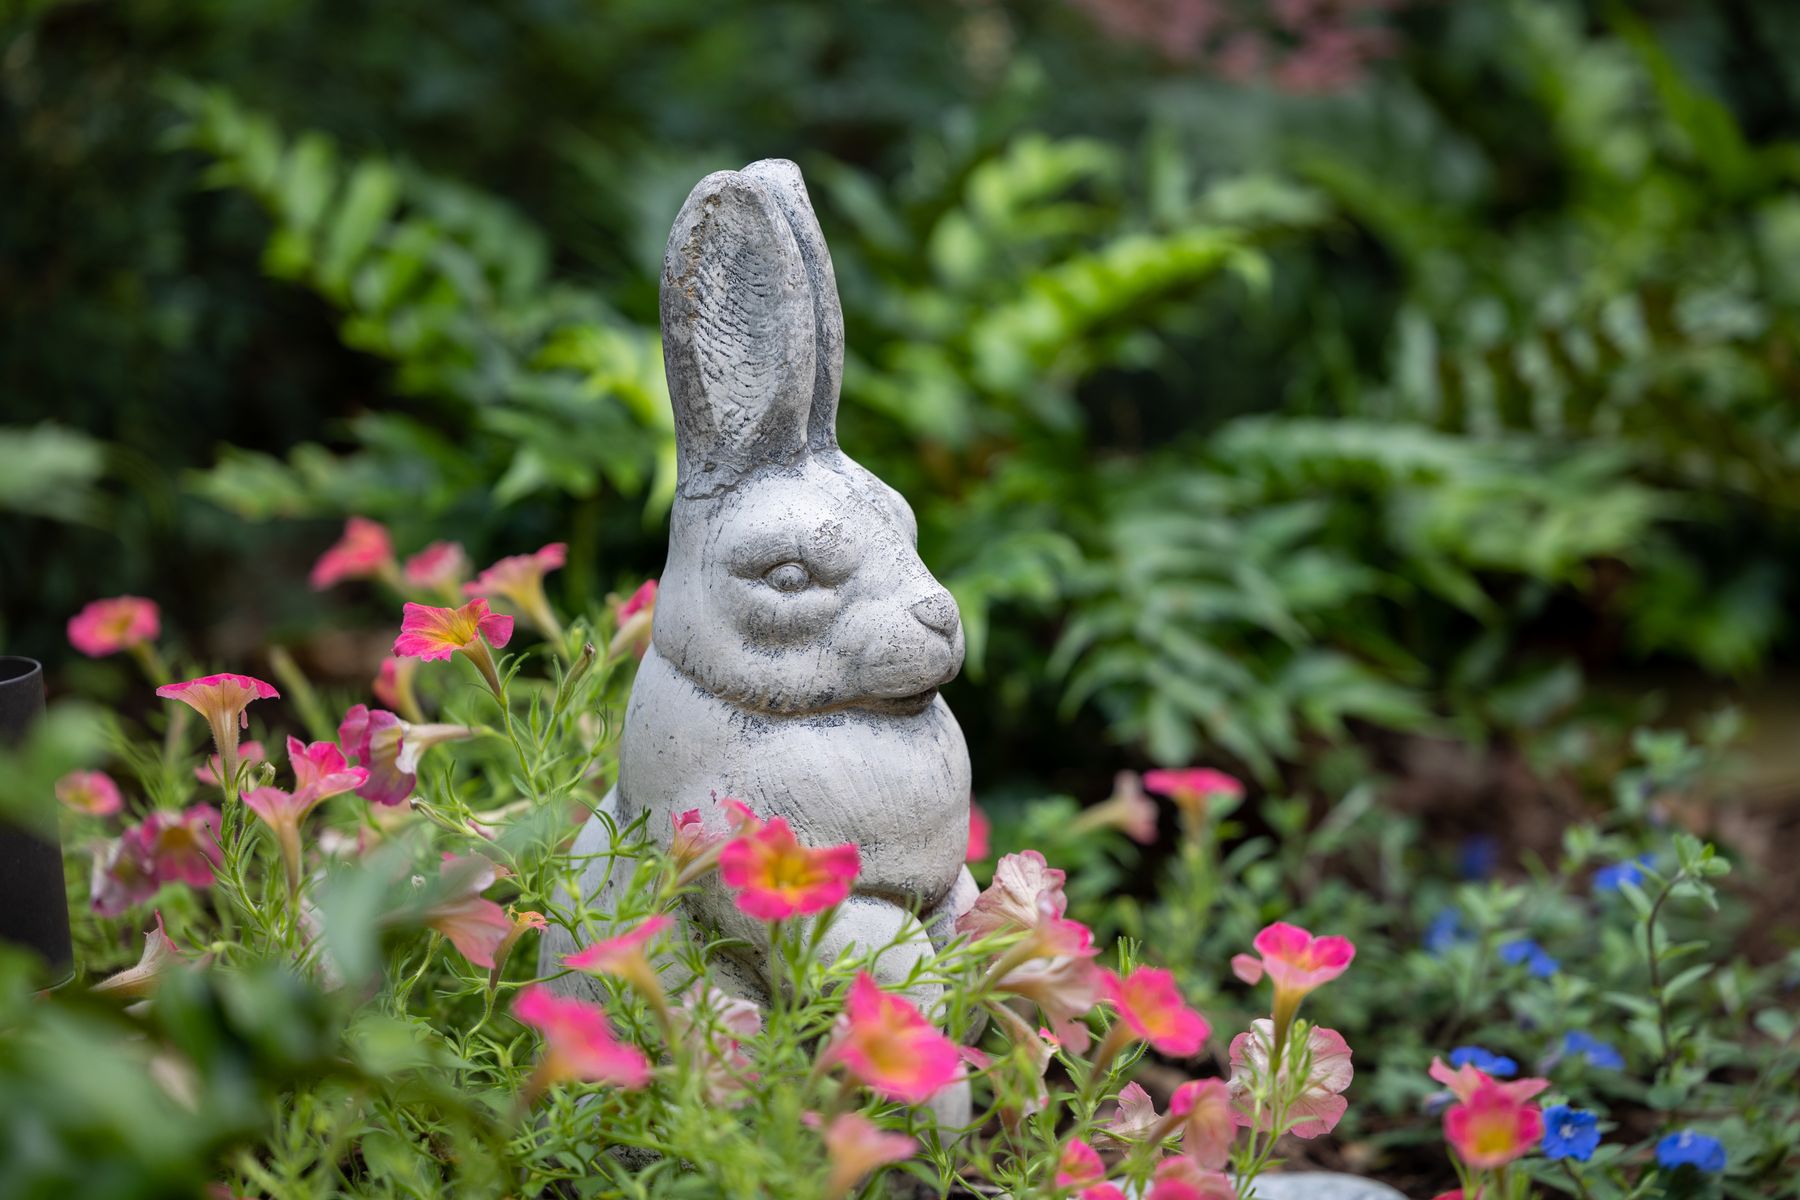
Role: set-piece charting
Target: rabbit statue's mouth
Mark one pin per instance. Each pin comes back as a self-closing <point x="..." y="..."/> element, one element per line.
<point x="903" y="706"/>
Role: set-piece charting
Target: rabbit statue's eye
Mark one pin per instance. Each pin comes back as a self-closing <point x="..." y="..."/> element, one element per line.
<point x="788" y="577"/>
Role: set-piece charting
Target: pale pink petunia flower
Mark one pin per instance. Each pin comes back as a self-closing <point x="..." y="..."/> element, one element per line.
<point x="441" y="566"/>
<point x="105" y="627"/>
<point x="1133" y="1117"/>
<point x="1150" y="1005"/>
<point x="250" y="752"/>
<point x="1065" y="989"/>
<point x="775" y="877"/>
<point x="1024" y="893"/>
<point x="1320" y="1104"/>
<point x="160" y="956"/>
<point x="855" y="1146"/>
<point x="888" y="1046"/>
<point x="365" y="551"/>
<point x="222" y="699"/>
<point x="636" y="617"/>
<point x="1208" y="1123"/>
<point x="578" y="1041"/>
<point x="91" y="792"/>
<point x="980" y="831"/>
<point x="474" y="925"/>
<point x="519" y="580"/>
<point x="714" y="1026"/>
<point x="1128" y="809"/>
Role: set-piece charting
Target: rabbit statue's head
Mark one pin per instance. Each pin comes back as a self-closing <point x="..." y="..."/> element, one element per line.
<point x="793" y="583"/>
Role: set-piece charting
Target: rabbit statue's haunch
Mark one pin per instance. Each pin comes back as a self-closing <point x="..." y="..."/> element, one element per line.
<point x="798" y="643"/>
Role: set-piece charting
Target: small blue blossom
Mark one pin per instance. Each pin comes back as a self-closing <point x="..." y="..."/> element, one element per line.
<point x="1611" y="879"/>
<point x="1445" y="931"/>
<point x="1570" y="1133"/>
<point x="1524" y="951"/>
<point x="1479" y="856"/>
<point x="1497" y="1065"/>
<point x="1684" y="1147"/>
<point x="1596" y="1052"/>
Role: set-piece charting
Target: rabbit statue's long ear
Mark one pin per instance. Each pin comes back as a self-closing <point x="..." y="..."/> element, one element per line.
<point x="784" y="180"/>
<point x="738" y="332"/>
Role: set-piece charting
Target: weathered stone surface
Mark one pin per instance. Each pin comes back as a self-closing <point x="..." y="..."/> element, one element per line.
<point x="1321" y="1185"/>
<point x="799" y="641"/>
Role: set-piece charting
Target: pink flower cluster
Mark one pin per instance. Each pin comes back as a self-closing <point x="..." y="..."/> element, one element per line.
<point x="166" y="847"/>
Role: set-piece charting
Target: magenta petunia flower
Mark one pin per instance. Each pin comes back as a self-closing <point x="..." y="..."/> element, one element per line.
<point x="1492" y="1127"/>
<point x="320" y="771"/>
<point x="105" y="627"/>
<point x="980" y="834"/>
<point x="1149" y="1003"/>
<point x="889" y="1047"/>
<point x="365" y="551"/>
<point x="429" y="634"/>
<point x="1191" y="788"/>
<point x="636" y="617"/>
<point x="1079" y="1166"/>
<point x="855" y="1146"/>
<point x="222" y="699"/>
<point x="166" y="847"/>
<point x="441" y="566"/>
<point x="519" y="580"/>
<point x="776" y="877"/>
<point x="91" y="792"/>
<point x="475" y="926"/>
<point x="1181" y="1179"/>
<point x="578" y="1041"/>
<point x="390" y="749"/>
<point x="393" y="686"/>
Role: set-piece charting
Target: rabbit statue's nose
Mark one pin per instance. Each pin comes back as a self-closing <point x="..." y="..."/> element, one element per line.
<point x="937" y="612"/>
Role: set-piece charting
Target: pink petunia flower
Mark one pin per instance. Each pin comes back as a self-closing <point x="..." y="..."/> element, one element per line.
<point x="430" y="634"/>
<point x="91" y="792"/>
<point x="222" y="699"/>
<point x="1208" y="1124"/>
<point x="1465" y="1080"/>
<point x="1320" y="1104"/>
<point x="578" y="1042"/>
<point x="1180" y="1179"/>
<point x="441" y="566"/>
<point x="250" y="752"/>
<point x="888" y="1046"/>
<point x="1191" y="788"/>
<point x="980" y="829"/>
<point x="635" y="619"/>
<point x="776" y="877"/>
<point x="393" y="686"/>
<point x="623" y="957"/>
<point x="1492" y="1127"/>
<point x="320" y="771"/>
<point x="519" y="580"/>
<point x="1128" y="809"/>
<point x="106" y="627"/>
<point x="474" y="925"/>
<point x="1149" y="1003"/>
<point x="365" y="551"/>
<point x="1297" y="962"/>
<point x="166" y="847"/>
<point x="522" y="923"/>
<point x="160" y="956"/>
<point x="1080" y="1166"/>
<point x="855" y="1146"/>
<point x="1025" y="895"/>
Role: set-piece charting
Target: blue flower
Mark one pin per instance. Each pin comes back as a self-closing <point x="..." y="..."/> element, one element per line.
<point x="1684" y="1147"/>
<point x="1497" y="1065"/>
<point x="1478" y="857"/>
<point x="1531" y="955"/>
<point x="1444" y="931"/>
<point x="1570" y="1133"/>
<point x="1611" y="879"/>
<point x="1596" y="1052"/>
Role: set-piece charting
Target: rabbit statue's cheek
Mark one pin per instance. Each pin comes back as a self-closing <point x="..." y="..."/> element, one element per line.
<point x="769" y="618"/>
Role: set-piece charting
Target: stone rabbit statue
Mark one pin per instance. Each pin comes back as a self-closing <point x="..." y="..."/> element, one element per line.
<point x="799" y="642"/>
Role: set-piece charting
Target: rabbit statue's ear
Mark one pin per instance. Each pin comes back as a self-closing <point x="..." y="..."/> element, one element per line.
<point x="789" y="189"/>
<point x="738" y="332"/>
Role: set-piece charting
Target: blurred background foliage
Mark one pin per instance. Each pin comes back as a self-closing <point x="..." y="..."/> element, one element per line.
<point x="1262" y="373"/>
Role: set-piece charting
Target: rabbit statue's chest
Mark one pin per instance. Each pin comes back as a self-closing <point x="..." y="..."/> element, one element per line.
<point x="896" y="785"/>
